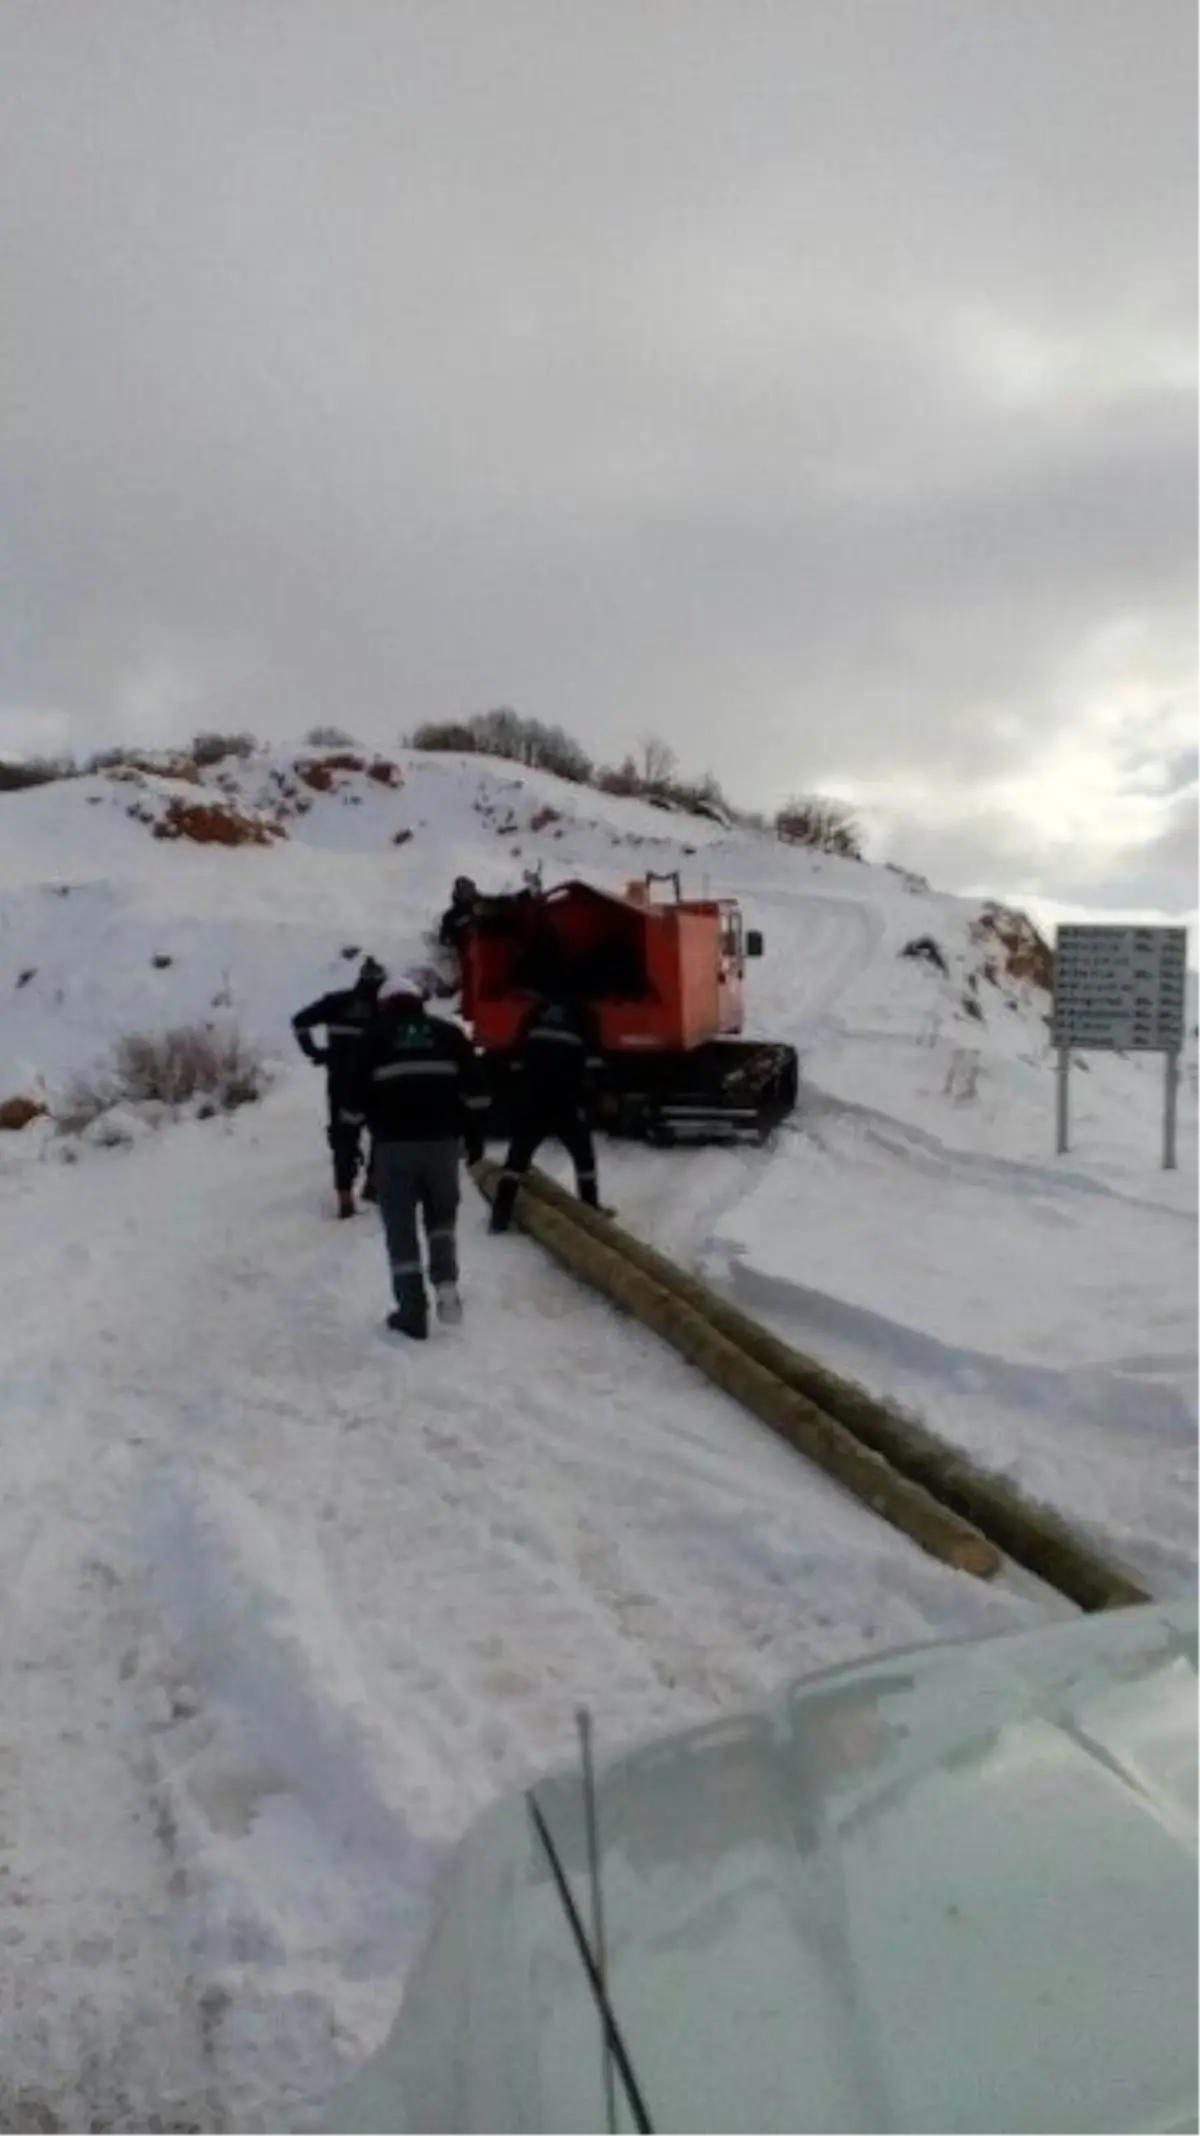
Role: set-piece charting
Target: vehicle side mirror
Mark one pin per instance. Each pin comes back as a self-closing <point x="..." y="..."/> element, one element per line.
<point x="754" y="943"/>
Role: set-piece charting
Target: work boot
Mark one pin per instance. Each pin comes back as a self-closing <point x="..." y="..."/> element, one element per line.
<point x="412" y="1323"/>
<point x="345" y="1202"/>
<point x="449" y="1304"/>
<point x="504" y="1204"/>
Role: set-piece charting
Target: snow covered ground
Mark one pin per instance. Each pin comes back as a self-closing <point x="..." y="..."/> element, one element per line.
<point x="286" y="1602"/>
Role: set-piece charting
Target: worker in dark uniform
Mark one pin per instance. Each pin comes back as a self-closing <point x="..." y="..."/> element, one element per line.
<point x="556" y="1055"/>
<point x="421" y="1090"/>
<point x="344" y="1015"/>
<point x="456" y="920"/>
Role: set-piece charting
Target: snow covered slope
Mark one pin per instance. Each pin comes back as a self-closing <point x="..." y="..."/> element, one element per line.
<point x="287" y="1603"/>
<point x="92" y="891"/>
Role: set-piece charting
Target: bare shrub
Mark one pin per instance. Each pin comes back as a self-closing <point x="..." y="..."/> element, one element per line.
<point x="700" y="797"/>
<point x="1020" y="946"/>
<point x="623" y="778"/>
<point x="119" y="759"/>
<point x="510" y="735"/>
<point x="825" y="825"/>
<point x="172" y="1068"/>
<point x="207" y="749"/>
<point x="659" y="762"/>
<point x="18" y="1112"/>
<point x="655" y="781"/>
<point x="908" y="876"/>
<point x="16" y="777"/>
<point x="449" y="735"/>
<point x="330" y="738"/>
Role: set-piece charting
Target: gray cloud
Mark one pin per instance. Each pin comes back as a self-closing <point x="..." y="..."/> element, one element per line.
<point x="1175" y="855"/>
<point x="813" y="385"/>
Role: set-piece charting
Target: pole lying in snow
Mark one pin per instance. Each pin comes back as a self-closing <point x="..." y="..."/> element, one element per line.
<point x="602" y="1262"/>
<point x="992" y="1507"/>
<point x="584" y="1723"/>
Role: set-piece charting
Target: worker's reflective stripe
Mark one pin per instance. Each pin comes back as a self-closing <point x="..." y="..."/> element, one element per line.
<point x="398" y="1068"/>
<point x="478" y="1104"/>
<point x="350" y="1119"/>
<point x="406" y="1268"/>
<point x="345" y="1030"/>
<point x="441" y="1231"/>
<point x="543" y="1037"/>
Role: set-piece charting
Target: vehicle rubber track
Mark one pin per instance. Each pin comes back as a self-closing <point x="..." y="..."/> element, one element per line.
<point x="729" y="1090"/>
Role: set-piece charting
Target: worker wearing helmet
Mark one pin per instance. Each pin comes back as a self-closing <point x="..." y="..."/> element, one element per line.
<point x="421" y="1091"/>
<point x="344" y="1015"/>
<point x="556" y="1055"/>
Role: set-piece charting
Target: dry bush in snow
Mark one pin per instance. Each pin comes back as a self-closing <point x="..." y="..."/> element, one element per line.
<point x="17" y="777"/>
<point x="827" y="826"/>
<point x="215" y="1068"/>
<point x="330" y="738"/>
<point x="208" y="749"/>
<point x="508" y="734"/>
<point x="1017" y="948"/>
<point x="19" y="1112"/>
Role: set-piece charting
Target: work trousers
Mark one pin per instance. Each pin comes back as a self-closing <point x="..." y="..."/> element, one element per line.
<point x="565" y="1124"/>
<point x="344" y="1134"/>
<point x="418" y="1188"/>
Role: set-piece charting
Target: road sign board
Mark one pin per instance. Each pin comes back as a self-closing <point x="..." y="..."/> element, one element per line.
<point x="1120" y="989"/>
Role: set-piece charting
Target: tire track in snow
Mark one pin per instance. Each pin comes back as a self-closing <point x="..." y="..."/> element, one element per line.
<point x="828" y="953"/>
<point x="922" y="1151"/>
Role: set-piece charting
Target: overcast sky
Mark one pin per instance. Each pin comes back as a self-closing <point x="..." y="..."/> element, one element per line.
<point x="809" y="381"/>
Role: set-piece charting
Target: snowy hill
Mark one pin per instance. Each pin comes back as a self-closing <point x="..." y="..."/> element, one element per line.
<point x="289" y="1604"/>
<point x="102" y="876"/>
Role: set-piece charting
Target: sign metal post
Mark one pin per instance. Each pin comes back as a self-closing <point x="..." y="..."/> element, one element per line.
<point x="1170" y="1111"/>
<point x="1064" y="1091"/>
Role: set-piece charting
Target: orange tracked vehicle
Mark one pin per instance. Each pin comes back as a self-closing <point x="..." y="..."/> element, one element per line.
<point x="664" y="976"/>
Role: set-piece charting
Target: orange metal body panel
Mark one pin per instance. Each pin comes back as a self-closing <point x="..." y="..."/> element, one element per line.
<point x="667" y="977"/>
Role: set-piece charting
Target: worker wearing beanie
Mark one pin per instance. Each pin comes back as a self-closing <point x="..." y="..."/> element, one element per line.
<point x="344" y="1015"/>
